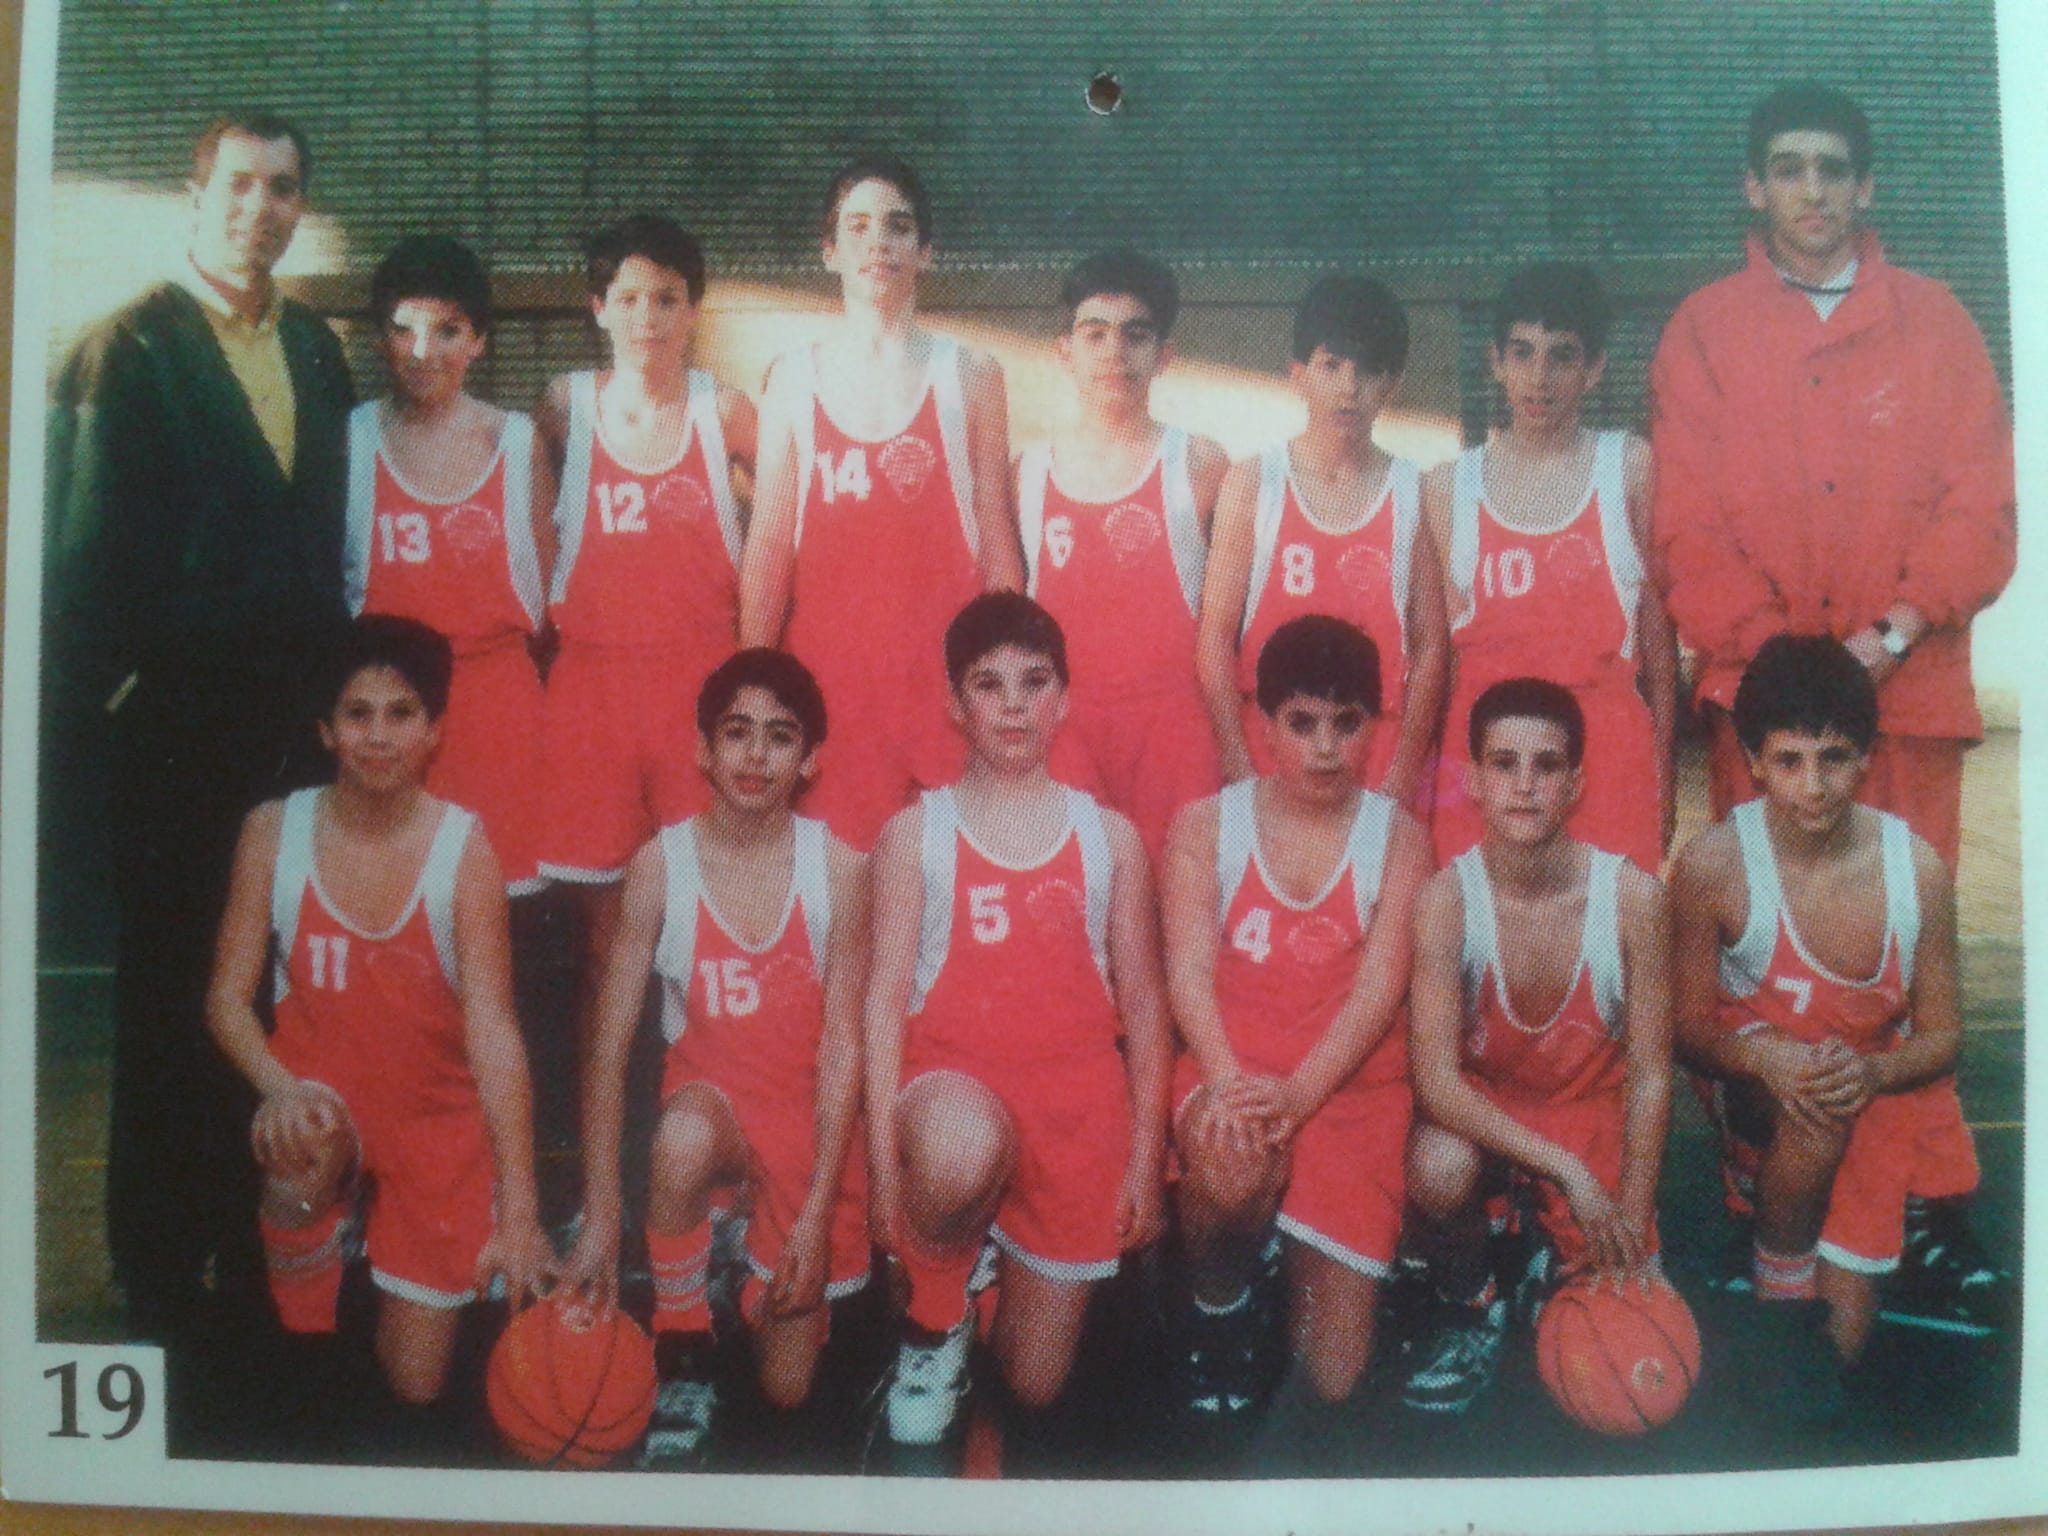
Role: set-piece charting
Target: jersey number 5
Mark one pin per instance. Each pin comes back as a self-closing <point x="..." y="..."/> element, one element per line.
<point x="730" y="987"/>
<point x="986" y="914"/>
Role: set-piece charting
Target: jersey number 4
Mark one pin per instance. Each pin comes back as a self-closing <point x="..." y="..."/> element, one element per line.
<point x="1253" y="935"/>
<point x="844" y="474"/>
<point x="730" y="987"/>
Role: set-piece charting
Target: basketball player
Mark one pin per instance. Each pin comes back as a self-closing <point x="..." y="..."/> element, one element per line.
<point x="1543" y="531"/>
<point x="1542" y="1032"/>
<point x="1287" y="902"/>
<point x="1016" y="951"/>
<point x="645" y="586"/>
<point x="755" y="921"/>
<point x="448" y="502"/>
<point x="1115" y="512"/>
<point x="884" y="504"/>
<point x="1817" y="980"/>
<point x="1328" y="523"/>
<point x="396" y="1062"/>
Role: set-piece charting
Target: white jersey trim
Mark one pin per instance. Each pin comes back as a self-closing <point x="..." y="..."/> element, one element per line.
<point x="942" y="832"/>
<point x="705" y="428"/>
<point x="364" y="440"/>
<point x="515" y="446"/>
<point x="942" y="380"/>
<point x="572" y="497"/>
<point x="1744" y="962"/>
<point x="1624" y="560"/>
<point x="685" y="892"/>
<point x="1066" y="1271"/>
<point x="1184" y="539"/>
<point x="1034" y="473"/>
<point x="1599" y="943"/>
<point x="1237" y="850"/>
<point x="296" y="871"/>
<point x="1237" y="833"/>
<point x="1266" y="515"/>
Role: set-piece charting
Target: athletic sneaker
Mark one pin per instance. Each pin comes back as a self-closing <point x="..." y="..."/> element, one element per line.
<point x="930" y="1380"/>
<point x="681" y="1427"/>
<point x="1463" y="1359"/>
<point x="1217" y="1369"/>
<point x="1945" y="1280"/>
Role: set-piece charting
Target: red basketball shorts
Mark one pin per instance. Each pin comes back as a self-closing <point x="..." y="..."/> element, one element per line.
<point x="1145" y="754"/>
<point x="883" y="745"/>
<point x="1072" y="1123"/>
<point x="1347" y="1179"/>
<point x="1910" y="1143"/>
<point x="1589" y="1129"/>
<point x="781" y="1137"/>
<point x="429" y="1178"/>
<point x="1617" y="807"/>
<point x="620" y="733"/>
<point x="490" y="760"/>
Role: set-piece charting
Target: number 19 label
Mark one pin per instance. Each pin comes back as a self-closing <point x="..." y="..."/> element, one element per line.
<point x="97" y="1406"/>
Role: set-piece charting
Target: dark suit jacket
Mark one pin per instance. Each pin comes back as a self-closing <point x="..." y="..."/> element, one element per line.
<point x="174" y="543"/>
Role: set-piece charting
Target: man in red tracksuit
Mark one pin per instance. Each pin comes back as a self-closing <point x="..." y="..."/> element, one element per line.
<point x="1834" y="457"/>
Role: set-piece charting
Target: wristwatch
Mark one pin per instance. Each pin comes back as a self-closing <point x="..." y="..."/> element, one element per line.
<point x="1891" y="639"/>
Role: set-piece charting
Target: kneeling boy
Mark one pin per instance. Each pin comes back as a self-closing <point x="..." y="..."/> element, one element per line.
<point x="1288" y="902"/>
<point x="396" y="1062"/>
<point x="1015" y="942"/>
<point x="1817" y="980"/>
<point x="1542" y="1030"/>
<point x="755" y="921"/>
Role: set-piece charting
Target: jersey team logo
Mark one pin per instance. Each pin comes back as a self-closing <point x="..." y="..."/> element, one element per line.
<point x="1131" y="529"/>
<point x="680" y="498"/>
<point x="1571" y="558"/>
<point x="1364" y="568"/>
<point x="906" y="463"/>
<point x="1054" y="903"/>
<point x="472" y="532"/>
<point x="1316" y="940"/>
<point x="789" y="971"/>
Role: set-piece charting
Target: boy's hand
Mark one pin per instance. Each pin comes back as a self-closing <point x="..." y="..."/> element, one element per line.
<point x="1840" y="1080"/>
<point x="798" y="1284"/>
<point x="1140" y="1205"/>
<point x="592" y="1268"/>
<point x="292" y="1127"/>
<point x="1612" y="1241"/>
<point x="1786" y="1067"/>
<point x="520" y="1252"/>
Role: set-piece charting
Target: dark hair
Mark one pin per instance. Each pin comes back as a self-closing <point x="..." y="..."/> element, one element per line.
<point x="267" y="126"/>
<point x="776" y="672"/>
<point x="416" y="652"/>
<point x="1559" y="296"/>
<point x="1319" y="657"/>
<point x="1127" y="274"/>
<point x="1528" y="698"/>
<point x="997" y="619"/>
<point x="660" y="240"/>
<point x="1353" y="317"/>
<point x="1811" y="105"/>
<point x="432" y="267"/>
<point x="1805" y="683"/>
<point x="897" y="173"/>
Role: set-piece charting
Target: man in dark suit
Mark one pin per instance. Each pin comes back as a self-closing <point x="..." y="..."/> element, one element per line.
<point x="193" y="544"/>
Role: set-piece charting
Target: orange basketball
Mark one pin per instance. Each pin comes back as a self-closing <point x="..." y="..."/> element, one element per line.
<point x="1618" y="1356"/>
<point x="568" y="1390"/>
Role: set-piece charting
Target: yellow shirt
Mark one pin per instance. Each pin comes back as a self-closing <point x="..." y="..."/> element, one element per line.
<point x="255" y="352"/>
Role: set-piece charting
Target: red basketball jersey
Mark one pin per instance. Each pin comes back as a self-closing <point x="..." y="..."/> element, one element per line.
<point x="1559" y="604"/>
<point x="1575" y="1053"/>
<point x="1285" y="967"/>
<point x="1768" y="976"/>
<point x="374" y="1016"/>
<point x="647" y="556"/>
<point x="465" y="566"/>
<point x="1012" y="964"/>
<point x="1360" y="575"/>
<point x="1122" y="576"/>
<point x="738" y="1014"/>
<point x="886" y="540"/>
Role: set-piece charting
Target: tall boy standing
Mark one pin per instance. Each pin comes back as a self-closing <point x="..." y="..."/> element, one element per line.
<point x="1115" y="514"/>
<point x="1328" y="523"/>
